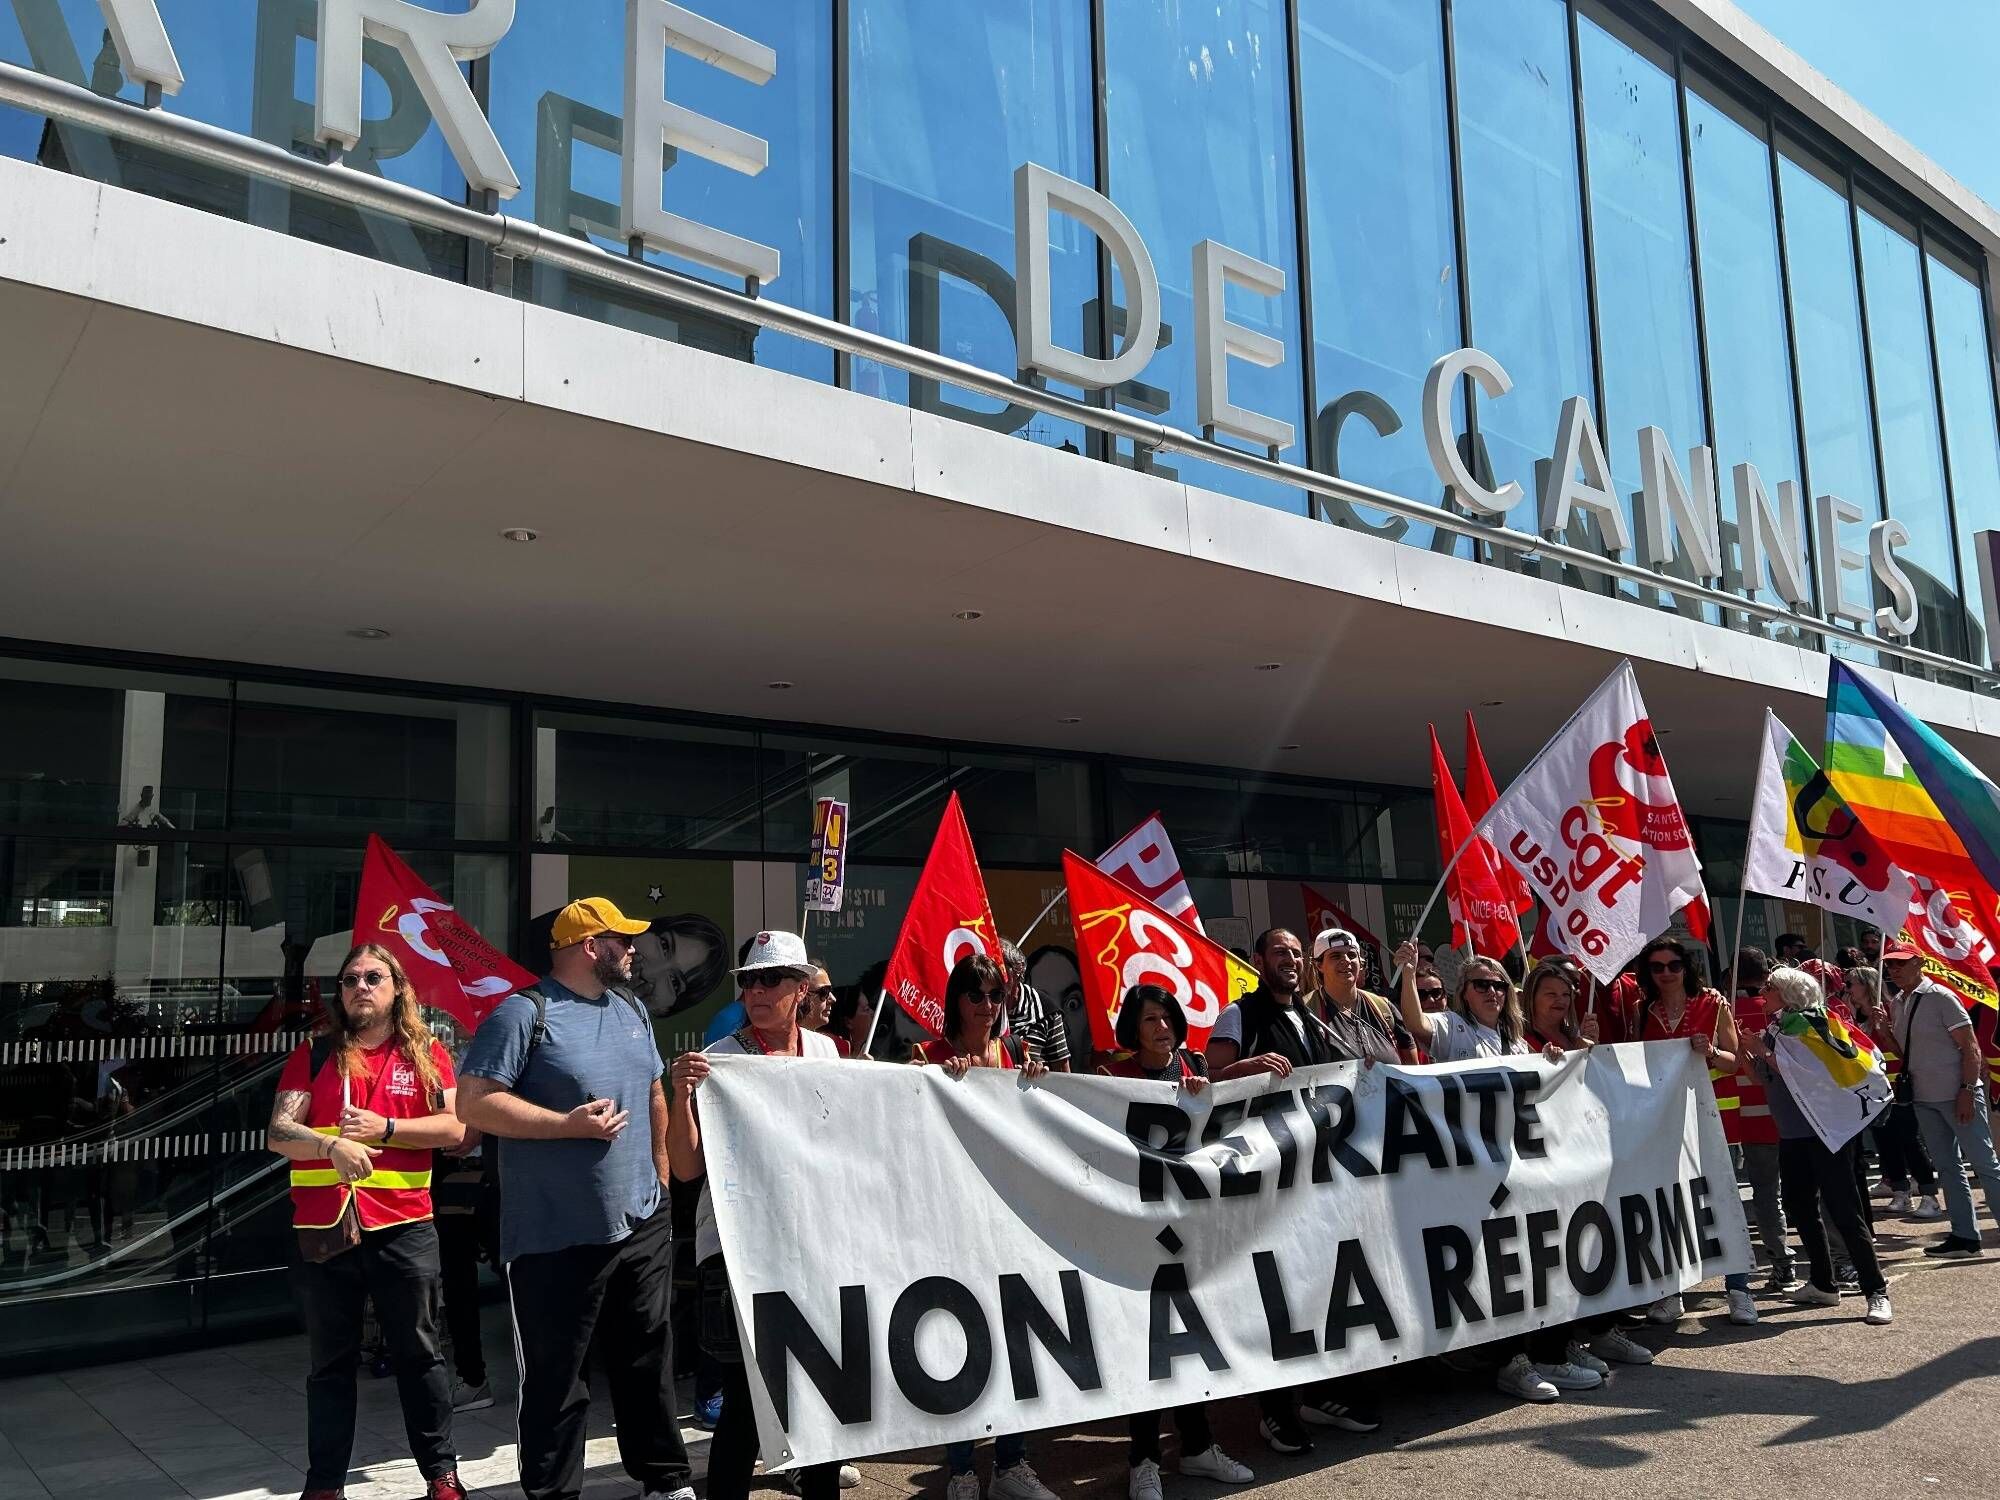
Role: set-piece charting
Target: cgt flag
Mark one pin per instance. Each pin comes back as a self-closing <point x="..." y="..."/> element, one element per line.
<point x="949" y="919"/>
<point x="1482" y="909"/>
<point x="1594" y="825"/>
<point x="1123" y="939"/>
<point x="451" y="967"/>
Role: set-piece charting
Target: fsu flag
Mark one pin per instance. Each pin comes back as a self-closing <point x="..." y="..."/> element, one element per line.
<point x="1835" y="1074"/>
<point x="949" y="919"/>
<point x="1480" y="795"/>
<point x="1145" y="860"/>
<point x="451" y="967"/>
<point x="1123" y="939"/>
<point x="1482" y="912"/>
<point x="1596" y="829"/>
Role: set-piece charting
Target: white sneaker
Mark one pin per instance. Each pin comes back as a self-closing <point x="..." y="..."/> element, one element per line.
<point x="1216" y="1465"/>
<point x="1742" y="1311"/>
<point x="1667" y="1310"/>
<point x="1569" y="1377"/>
<point x="1519" y="1378"/>
<point x="1879" y="1311"/>
<point x="1928" y="1207"/>
<point x="1811" y="1296"/>
<point x="685" y="1492"/>
<point x="1020" y="1483"/>
<point x="850" y="1477"/>
<point x="1616" y="1346"/>
<point x="1143" y="1483"/>
<point x="962" y="1487"/>
<point x="1899" y="1203"/>
<point x="1578" y="1354"/>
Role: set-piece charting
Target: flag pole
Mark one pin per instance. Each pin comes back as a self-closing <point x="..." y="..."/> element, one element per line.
<point x="1750" y="848"/>
<point x="1736" y="950"/>
<point x="881" y="1003"/>
<point x="1450" y="865"/>
<point x="1021" y="942"/>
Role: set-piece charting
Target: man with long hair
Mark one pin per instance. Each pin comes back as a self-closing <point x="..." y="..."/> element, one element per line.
<point x="359" y="1110"/>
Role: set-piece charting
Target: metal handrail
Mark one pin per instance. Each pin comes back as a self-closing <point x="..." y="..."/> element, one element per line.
<point x="195" y="140"/>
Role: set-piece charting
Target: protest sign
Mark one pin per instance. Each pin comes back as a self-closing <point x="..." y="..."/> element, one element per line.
<point x="1000" y="1256"/>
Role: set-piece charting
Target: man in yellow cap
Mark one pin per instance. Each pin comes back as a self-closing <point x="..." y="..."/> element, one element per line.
<point x="567" y="1075"/>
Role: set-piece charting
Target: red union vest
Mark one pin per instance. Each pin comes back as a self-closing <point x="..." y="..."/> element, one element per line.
<point x="398" y="1191"/>
<point x="1750" y="1122"/>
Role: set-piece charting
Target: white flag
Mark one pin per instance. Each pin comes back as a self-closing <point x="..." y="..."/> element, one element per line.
<point x="1807" y="845"/>
<point x="1145" y="860"/>
<point x="1595" y="828"/>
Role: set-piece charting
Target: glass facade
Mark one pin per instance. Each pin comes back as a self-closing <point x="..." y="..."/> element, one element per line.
<point x="1572" y="185"/>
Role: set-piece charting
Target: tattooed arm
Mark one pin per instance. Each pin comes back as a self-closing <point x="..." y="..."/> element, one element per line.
<point x="291" y="1137"/>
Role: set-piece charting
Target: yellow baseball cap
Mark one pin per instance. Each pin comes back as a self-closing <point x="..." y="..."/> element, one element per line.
<point x="587" y="918"/>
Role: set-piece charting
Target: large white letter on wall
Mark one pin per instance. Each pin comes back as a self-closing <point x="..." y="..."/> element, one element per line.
<point x="1830" y="513"/>
<point x="1217" y="341"/>
<point x="1037" y="192"/>
<point x="1899" y="616"/>
<point x="1662" y="492"/>
<point x="1769" y="533"/>
<point x="1563" y="492"/>
<point x="141" y="39"/>
<point x="652" y="29"/>
<point x="1452" y="469"/>
<point x="432" y="43"/>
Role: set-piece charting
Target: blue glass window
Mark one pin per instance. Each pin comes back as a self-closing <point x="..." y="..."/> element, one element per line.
<point x="945" y="103"/>
<point x="558" y="96"/>
<point x="1379" y="216"/>
<point x="1965" y="388"/>
<point x="1199" y="110"/>
<point x="1907" y="409"/>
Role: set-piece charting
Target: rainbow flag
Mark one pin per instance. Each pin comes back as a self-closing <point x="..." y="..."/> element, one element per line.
<point x="1835" y="1074"/>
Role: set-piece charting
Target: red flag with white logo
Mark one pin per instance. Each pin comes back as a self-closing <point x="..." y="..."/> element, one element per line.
<point x="451" y="967"/>
<point x="1482" y="913"/>
<point x="949" y="919"/>
<point x="1480" y="795"/>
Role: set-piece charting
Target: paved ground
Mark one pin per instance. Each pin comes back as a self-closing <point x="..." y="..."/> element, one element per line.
<point x="1810" y="1402"/>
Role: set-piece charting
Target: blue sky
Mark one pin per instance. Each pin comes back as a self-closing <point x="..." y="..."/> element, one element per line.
<point x="1924" y="66"/>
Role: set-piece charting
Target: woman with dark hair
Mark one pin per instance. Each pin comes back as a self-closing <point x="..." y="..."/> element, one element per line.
<point x="852" y="1015"/>
<point x="359" y="1110"/>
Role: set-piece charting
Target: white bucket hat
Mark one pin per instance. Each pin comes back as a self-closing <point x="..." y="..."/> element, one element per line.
<point x="775" y="950"/>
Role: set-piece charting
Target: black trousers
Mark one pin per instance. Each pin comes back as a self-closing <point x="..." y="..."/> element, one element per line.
<point x="458" y="1260"/>
<point x="1145" y="1429"/>
<point x="1809" y="1174"/>
<point x="1902" y="1150"/>
<point x="559" y="1300"/>
<point x="398" y="1268"/>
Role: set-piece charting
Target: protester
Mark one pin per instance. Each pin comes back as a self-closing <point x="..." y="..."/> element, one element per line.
<point x="359" y="1110"/>
<point x="1030" y="1017"/>
<point x="1753" y="1139"/>
<point x="816" y="1008"/>
<point x="848" y="1022"/>
<point x="776" y="980"/>
<point x="1430" y="987"/>
<point x="1899" y="1148"/>
<point x="465" y="1209"/>
<point x="557" y="1073"/>
<point x="1152" y="1030"/>
<point x="1809" y="1173"/>
<point x="1791" y="948"/>
<point x="1946" y="1083"/>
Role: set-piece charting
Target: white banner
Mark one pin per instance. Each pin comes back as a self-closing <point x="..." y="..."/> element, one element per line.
<point x="916" y="1260"/>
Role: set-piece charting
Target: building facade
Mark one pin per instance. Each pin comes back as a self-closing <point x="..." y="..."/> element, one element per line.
<point x="566" y="439"/>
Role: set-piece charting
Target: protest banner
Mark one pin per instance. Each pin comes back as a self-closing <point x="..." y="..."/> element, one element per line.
<point x="1078" y="1248"/>
<point x="829" y="855"/>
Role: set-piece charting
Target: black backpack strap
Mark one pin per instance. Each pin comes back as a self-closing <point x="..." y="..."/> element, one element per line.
<point x="539" y="1029"/>
<point x="317" y="1054"/>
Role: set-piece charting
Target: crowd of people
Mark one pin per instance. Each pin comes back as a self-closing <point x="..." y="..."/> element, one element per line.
<point x="593" y="1129"/>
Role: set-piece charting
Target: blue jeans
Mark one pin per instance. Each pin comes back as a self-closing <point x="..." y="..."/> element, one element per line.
<point x="1947" y="1141"/>
<point x="1008" y="1450"/>
<point x="1760" y="1165"/>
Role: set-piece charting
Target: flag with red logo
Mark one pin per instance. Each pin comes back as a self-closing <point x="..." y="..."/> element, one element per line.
<point x="1480" y="795"/>
<point x="1595" y="827"/>
<point x="949" y="919"/>
<point x="1122" y="939"/>
<point x="451" y="967"/>
<point x="1482" y="913"/>
<point x="1145" y="860"/>
<point x="1956" y="951"/>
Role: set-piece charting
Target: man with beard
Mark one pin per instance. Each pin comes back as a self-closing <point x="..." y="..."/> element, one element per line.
<point x="567" y="1077"/>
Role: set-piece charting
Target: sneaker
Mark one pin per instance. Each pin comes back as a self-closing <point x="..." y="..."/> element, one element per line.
<point x="1813" y="1296"/>
<point x="1882" y="1190"/>
<point x="1951" y="1247"/>
<point x="1578" y="1354"/>
<point x="1617" y="1347"/>
<point x="1742" y="1311"/>
<point x="1519" y="1378"/>
<point x="470" y="1397"/>
<point x="962" y="1487"/>
<point x="1143" y="1483"/>
<point x="445" y="1487"/>
<point x="685" y="1492"/>
<point x="1846" y="1275"/>
<point x="1927" y="1207"/>
<point x="1899" y="1203"/>
<point x="1283" y="1437"/>
<point x="1879" y="1311"/>
<point x="1348" y="1417"/>
<point x="1781" y="1284"/>
<point x="324" y="1495"/>
<point x="1019" y="1482"/>
<point x="850" y="1477"/>
<point x="1216" y="1465"/>
<point x="1569" y="1377"/>
<point x="1667" y="1310"/>
<point x="708" y="1412"/>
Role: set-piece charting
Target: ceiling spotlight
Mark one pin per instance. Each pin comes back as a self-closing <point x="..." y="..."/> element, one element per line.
<point x="969" y="614"/>
<point x="369" y="633"/>
<point x="1269" y="666"/>
<point x="520" y="534"/>
<point x="1069" y="719"/>
<point x="1288" y="747"/>
<point x="1493" y="703"/>
<point x="779" y="687"/>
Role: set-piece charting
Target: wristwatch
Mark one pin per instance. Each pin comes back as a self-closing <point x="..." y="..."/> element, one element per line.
<point x="388" y="1131"/>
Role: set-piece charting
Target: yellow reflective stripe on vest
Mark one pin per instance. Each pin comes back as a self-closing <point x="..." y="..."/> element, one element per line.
<point x="1728" y="1103"/>
<point x="330" y="1177"/>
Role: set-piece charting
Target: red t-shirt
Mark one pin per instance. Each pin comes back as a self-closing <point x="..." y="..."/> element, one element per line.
<point x="938" y="1050"/>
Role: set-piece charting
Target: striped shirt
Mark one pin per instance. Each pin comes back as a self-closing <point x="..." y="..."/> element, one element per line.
<point x="1043" y="1032"/>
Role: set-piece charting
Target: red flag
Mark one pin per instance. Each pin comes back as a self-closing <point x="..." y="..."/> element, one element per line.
<point x="1481" y="912"/>
<point x="451" y="967"/>
<point x="1322" y="912"/>
<point x="1123" y="939"/>
<point x="1480" y="795"/>
<point x="949" y="919"/>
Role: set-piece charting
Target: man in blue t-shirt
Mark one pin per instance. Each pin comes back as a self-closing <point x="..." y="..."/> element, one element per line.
<point x="573" y="1097"/>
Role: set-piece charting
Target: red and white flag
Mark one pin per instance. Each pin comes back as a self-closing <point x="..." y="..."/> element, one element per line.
<point x="451" y="967"/>
<point x="1482" y="912"/>
<point x="949" y="919"/>
<point x="1480" y="795"/>
<point x="1145" y="860"/>
<point x="1596" y="829"/>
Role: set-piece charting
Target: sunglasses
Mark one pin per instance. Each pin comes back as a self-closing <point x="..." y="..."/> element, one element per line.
<point x="1670" y="966"/>
<point x="363" y="981"/>
<point x="1430" y="992"/>
<point x="767" y="979"/>
<point x="824" y="992"/>
<point x="1488" y="986"/>
<point x="988" y="997"/>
